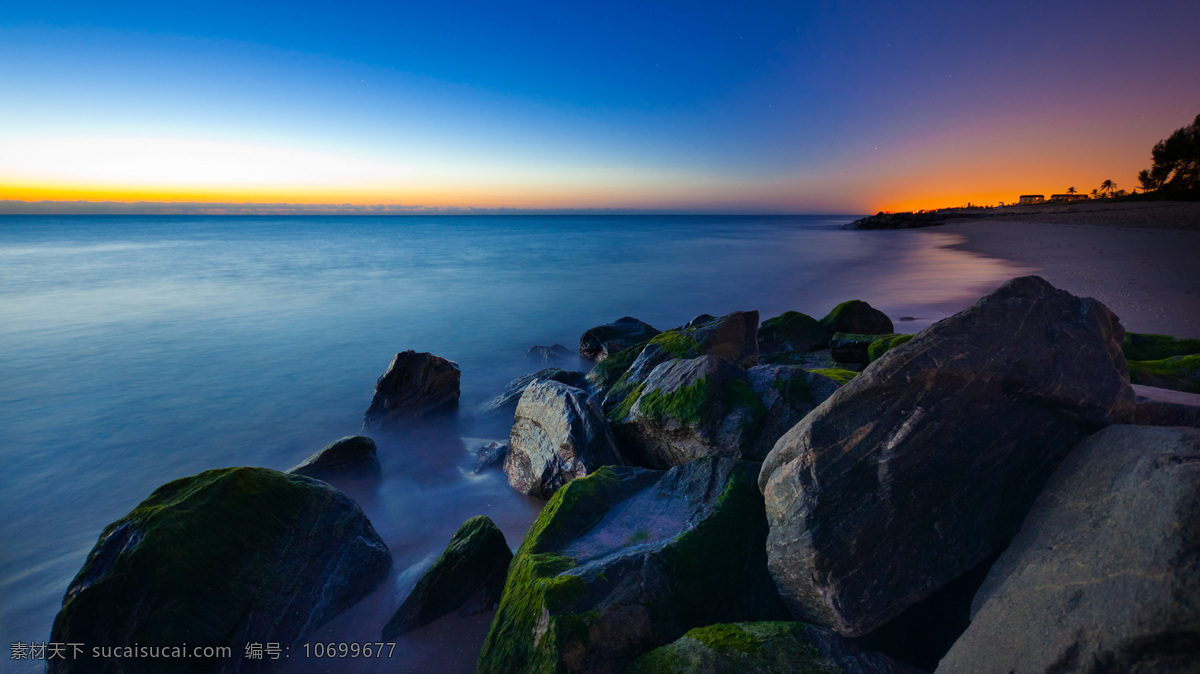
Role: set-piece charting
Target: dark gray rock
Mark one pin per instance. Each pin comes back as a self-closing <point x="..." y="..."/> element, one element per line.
<point x="629" y="559"/>
<point x="1104" y="575"/>
<point x="559" y="433"/>
<point x="351" y="457"/>
<point x="221" y="558"/>
<point x="924" y="465"/>
<point x="489" y="455"/>
<point x="792" y="331"/>
<point x="857" y="317"/>
<point x="733" y="337"/>
<point x="467" y="577"/>
<point x="788" y="393"/>
<point x="687" y="409"/>
<point x="604" y="340"/>
<point x="764" y="648"/>
<point x="852" y="348"/>
<point x="556" y="354"/>
<point x="415" y="386"/>
<point x="506" y="402"/>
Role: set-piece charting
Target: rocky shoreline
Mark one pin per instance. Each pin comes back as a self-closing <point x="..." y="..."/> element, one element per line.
<point x="1173" y="215"/>
<point x="801" y="495"/>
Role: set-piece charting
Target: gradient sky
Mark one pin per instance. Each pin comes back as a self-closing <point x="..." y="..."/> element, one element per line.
<point x="724" y="107"/>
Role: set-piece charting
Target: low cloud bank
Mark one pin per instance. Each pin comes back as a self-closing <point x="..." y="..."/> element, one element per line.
<point x="16" y="207"/>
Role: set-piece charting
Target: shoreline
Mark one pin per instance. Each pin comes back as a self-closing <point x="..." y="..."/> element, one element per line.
<point x="1141" y="262"/>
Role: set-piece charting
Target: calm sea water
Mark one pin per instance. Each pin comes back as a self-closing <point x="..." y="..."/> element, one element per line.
<point x="136" y="350"/>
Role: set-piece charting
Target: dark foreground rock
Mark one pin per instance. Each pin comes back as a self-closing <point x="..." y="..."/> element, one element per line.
<point x="792" y="331"/>
<point x="925" y="464"/>
<point x="351" y="457"/>
<point x="628" y="559"/>
<point x="603" y="341"/>
<point x="222" y="558"/>
<point x="857" y="317"/>
<point x="1105" y="573"/>
<point x="468" y="577"/>
<point x="506" y="402"/>
<point x="687" y="409"/>
<point x="559" y="433"/>
<point x="764" y="648"/>
<point x="415" y="386"/>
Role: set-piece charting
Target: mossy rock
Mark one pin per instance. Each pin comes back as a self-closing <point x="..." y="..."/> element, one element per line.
<point x="222" y="558"/>
<point x="1179" y="373"/>
<point x="792" y="331"/>
<point x="603" y="341"/>
<point x="734" y="648"/>
<point x="628" y="559"/>
<point x="808" y="361"/>
<point x="1138" y="346"/>
<point x="352" y="457"/>
<point x="788" y="393"/>
<point x="837" y="374"/>
<point x="884" y="344"/>
<point x="506" y="402"/>
<point x="857" y="317"/>
<point x="608" y="371"/>
<point x="467" y="577"/>
<point x="846" y="347"/>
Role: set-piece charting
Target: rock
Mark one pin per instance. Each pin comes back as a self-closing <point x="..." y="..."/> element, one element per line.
<point x="687" y="409"/>
<point x="468" y="577"/>
<point x="924" y="465"/>
<point x="609" y="371"/>
<point x="1103" y="574"/>
<point x="792" y="331"/>
<point x="885" y="344"/>
<point x="351" y="457"/>
<point x="1139" y="346"/>
<point x="506" y="402"/>
<point x="604" y="340"/>
<point x="764" y="647"/>
<point x="549" y="355"/>
<point x="809" y="361"/>
<point x="559" y="433"/>
<point x="1178" y="373"/>
<point x="788" y="393"/>
<point x="416" y="385"/>
<point x="629" y="559"/>
<point x="857" y="317"/>
<point x="221" y="558"/>
<point x="489" y="455"/>
<point x="851" y="348"/>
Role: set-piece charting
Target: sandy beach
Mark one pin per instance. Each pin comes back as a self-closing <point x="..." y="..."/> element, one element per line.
<point x="1142" y="260"/>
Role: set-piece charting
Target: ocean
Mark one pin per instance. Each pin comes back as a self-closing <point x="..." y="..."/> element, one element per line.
<point x="137" y="350"/>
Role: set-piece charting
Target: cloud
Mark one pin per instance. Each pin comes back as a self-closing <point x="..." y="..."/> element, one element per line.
<point x="17" y="207"/>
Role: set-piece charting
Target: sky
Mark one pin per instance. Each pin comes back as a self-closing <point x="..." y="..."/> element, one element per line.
<point x="765" y="107"/>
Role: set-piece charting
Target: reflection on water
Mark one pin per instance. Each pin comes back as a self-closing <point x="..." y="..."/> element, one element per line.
<point x="139" y="350"/>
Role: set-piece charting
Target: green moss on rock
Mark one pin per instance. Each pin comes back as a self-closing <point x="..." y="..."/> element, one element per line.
<point x="729" y="648"/>
<point x="684" y="404"/>
<point x="884" y="344"/>
<point x="792" y="331"/>
<point x="1179" y="373"/>
<point x="841" y="376"/>
<point x="606" y="373"/>
<point x="1138" y="346"/>
<point x="677" y="343"/>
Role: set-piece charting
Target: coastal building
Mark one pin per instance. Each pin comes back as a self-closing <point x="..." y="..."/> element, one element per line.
<point x="1068" y="197"/>
<point x="1031" y="199"/>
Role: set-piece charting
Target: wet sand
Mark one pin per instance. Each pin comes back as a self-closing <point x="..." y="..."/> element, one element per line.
<point x="1142" y="260"/>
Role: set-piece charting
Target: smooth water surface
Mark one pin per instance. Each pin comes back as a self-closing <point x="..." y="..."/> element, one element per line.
<point x="136" y="350"/>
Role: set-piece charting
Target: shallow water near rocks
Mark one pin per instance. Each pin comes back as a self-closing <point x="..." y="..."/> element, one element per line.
<point x="137" y="350"/>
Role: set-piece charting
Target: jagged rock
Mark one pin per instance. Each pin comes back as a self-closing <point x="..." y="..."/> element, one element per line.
<point x="489" y="455"/>
<point x="415" y="385"/>
<point x="549" y="355"/>
<point x="851" y="348"/>
<point x="1178" y="373"/>
<point x="1138" y="346"/>
<point x="810" y="361"/>
<point x="1104" y="575"/>
<point x="468" y="577"/>
<point x="687" y="409"/>
<point x="764" y="648"/>
<point x="351" y="457"/>
<point x="885" y="344"/>
<point x="628" y="559"/>
<point x="221" y="558"/>
<point x="792" y="331"/>
<point x="788" y="393"/>
<point x="559" y="433"/>
<point x="857" y="317"/>
<point x="604" y="340"/>
<point x="506" y="402"/>
<point x="924" y="465"/>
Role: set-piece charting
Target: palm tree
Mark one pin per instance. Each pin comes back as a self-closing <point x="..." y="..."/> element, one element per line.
<point x="1108" y="187"/>
<point x="1071" y="190"/>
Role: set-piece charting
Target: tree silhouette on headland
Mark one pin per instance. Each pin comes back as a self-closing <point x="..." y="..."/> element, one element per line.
<point x="1176" y="161"/>
<point x="1107" y="187"/>
<point x="1071" y="190"/>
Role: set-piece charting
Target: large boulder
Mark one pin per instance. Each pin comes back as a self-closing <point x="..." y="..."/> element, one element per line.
<point x="687" y="409"/>
<point x="351" y="457"/>
<point x="603" y="341"/>
<point x="559" y="433"/>
<point x="792" y="331"/>
<point x="628" y="559"/>
<point x="549" y="355"/>
<point x="415" y="386"/>
<point x="506" y="402"/>
<point x="764" y="648"/>
<point x="788" y="393"/>
<point x="924" y="465"/>
<point x="858" y="317"/>
<point x="468" y="577"/>
<point x="1104" y="576"/>
<point x="222" y="558"/>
